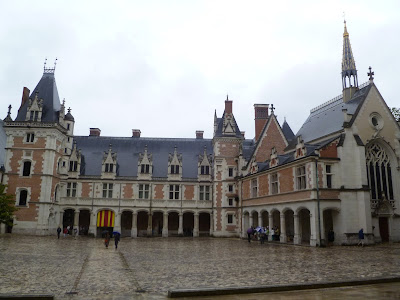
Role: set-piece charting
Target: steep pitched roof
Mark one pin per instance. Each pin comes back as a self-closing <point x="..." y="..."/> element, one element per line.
<point x="287" y="131"/>
<point x="328" y="118"/>
<point x="220" y="128"/>
<point x="128" y="150"/>
<point x="47" y="90"/>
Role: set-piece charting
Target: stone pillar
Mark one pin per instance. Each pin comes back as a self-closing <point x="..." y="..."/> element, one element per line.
<point x="92" y="227"/>
<point x="244" y="230"/>
<point x="60" y="223"/>
<point x="297" y="237"/>
<point x="270" y="224"/>
<point x="180" y="228"/>
<point x="260" y="220"/>
<point x="313" y="229"/>
<point x="196" y="225"/>
<point x="165" y="225"/>
<point x="283" y="237"/>
<point x="211" y="224"/>
<point x="150" y="225"/>
<point x="117" y="222"/>
<point x="134" y="225"/>
<point x="76" y="220"/>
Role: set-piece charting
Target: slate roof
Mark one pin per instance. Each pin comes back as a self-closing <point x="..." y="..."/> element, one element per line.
<point x="329" y="118"/>
<point x="47" y="90"/>
<point x="128" y="149"/>
<point x="287" y="131"/>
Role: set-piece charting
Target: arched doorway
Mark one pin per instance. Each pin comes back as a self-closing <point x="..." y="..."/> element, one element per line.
<point x="142" y="223"/>
<point x="255" y="219"/>
<point x="204" y="224"/>
<point x="105" y="222"/>
<point x="126" y="223"/>
<point x="304" y="226"/>
<point x="158" y="222"/>
<point x="289" y="225"/>
<point x="265" y="218"/>
<point x="276" y="224"/>
<point x="84" y="222"/>
<point x="68" y="219"/>
<point x="173" y="224"/>
<point x="188" y="224"/>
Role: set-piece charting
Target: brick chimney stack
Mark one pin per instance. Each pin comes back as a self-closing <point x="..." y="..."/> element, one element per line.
<point x="136" y="133"/>
<point x="25" y="96"/>
<point x="95" y="132"/>
<point x="260" y="117"/>
<point x="199" y="134"/>
<point x="228" y="106"/>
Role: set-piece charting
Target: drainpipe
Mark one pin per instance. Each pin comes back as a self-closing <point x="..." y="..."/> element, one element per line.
<point x="318" y="202"/>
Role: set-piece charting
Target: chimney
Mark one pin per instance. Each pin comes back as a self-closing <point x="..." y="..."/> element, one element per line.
<point x="260" y="117"/>
<point x="136" y="133"/>
<point x="228" y="106"/>
<point x="95" y="132"/>
<point x="25" y="96"/>
<point x="199" y="134"/>
<point x="242" y="133"/>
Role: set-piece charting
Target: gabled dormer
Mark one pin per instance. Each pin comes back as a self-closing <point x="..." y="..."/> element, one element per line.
<point x="74" y="163"/>
<point x="274" y="159"/>
<point x="109" y="165"/>
<point x="204" y="166"/>
<point x="145" y="165"/>
<point x="175" y="166"/>
<point x="301" y="150"/>
<point x="34" y="109"/>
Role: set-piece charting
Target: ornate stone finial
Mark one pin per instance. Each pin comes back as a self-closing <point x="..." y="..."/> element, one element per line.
<point x="227" y="98"/>
<point x="69" y="109"/>
<point x="49" y="70"/>
<point x="8" y="118"/>
<point x="44" y="67"/>
<point x="272" y="109"/>
<point x="63" y="103"/>
<point x="55" y="63"/>
<point x="371" y="74"/>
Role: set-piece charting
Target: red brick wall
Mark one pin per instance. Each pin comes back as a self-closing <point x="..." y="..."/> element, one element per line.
<point x="189" y="192"/>
<point x="273" y="138"/>
<point x="285" y="180"/>
<point x="263" y="185"/>
<point x="86" y="189"/>
<point x="329" y="150"/>
<point x="246" y="189"/>
<point x="158" y="191"/>
<point x="128" y="191"/>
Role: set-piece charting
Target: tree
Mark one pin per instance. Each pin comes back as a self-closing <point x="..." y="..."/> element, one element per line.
<point x="396" y="113"/>
<point x="7" y="207"/>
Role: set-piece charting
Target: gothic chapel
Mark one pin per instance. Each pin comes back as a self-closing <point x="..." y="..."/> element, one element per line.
<point x="339" y="172"/>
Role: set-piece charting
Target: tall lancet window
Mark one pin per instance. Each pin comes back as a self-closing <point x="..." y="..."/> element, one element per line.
<point x="379" y="172"/>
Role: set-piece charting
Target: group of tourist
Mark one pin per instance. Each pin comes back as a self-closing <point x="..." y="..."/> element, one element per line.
<point x="67" y="230"/>
<point x="262" y="233"/>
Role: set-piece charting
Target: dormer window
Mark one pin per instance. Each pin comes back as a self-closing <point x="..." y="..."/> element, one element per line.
<point x="73" y="166"/>
<point x="109" y="168"/>
<point x="174" y="169"/>
<point x="145" y="169"/>
<point x="30" y="137"/>
<point x="205" y="170"/>
<point x="34" y="116"/>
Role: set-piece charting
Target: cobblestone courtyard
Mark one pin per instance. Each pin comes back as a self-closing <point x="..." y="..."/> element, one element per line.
<point x="149" y="267"/>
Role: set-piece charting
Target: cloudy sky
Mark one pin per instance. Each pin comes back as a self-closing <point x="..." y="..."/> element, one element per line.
<point x="164" y="66"/>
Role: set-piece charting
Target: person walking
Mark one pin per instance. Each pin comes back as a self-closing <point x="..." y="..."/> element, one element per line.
<point x="65" y="232"/>
<point x="361" y="237"/>
<point x="250" y="231"/>
<point x="116" y="240"/>
<point x="58" y="232"/>
<point x="107" y="239"/>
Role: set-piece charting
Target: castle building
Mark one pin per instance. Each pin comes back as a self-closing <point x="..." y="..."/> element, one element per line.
<point x="340" y="172"/>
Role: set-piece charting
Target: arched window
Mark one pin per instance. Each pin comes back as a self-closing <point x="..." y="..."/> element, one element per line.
<point x="23" y="196"/>
<point x="379" y="172"/>
<point x="27" y="168"/>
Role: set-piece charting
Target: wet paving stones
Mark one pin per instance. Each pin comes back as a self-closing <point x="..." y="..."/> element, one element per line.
<point x="146" y="268"/>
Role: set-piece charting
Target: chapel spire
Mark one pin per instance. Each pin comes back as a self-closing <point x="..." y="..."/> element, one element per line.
<point x="349" y="71"/>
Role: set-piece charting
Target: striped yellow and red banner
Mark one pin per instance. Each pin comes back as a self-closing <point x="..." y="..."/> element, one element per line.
<point x="105" y="218"/>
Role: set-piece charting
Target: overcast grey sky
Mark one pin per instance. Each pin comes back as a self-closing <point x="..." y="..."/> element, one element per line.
<point x="164" y="66"/>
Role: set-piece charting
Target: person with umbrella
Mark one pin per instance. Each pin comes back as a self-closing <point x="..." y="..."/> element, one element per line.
<point x="250" y="231"/>
<point x="116" y="239"/>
